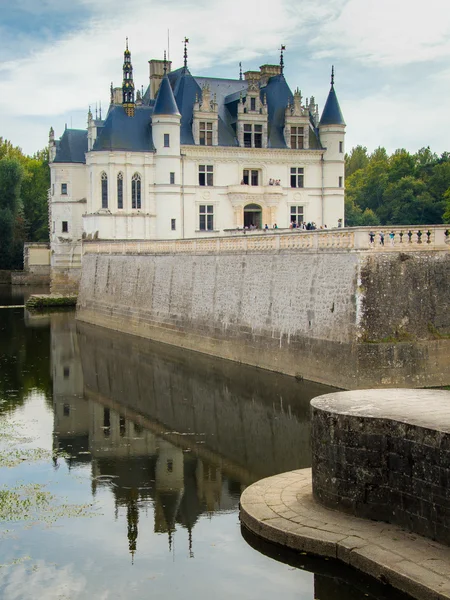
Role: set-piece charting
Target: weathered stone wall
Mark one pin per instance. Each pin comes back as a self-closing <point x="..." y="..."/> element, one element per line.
<point x="385" y="455"/>
<point x="342" y="317"/>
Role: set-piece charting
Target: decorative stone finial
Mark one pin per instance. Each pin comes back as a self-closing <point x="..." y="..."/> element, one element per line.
<point x="283" y="48"/>
<point x="186" y="42"/>
<point x="165" y="62"/>
<point x="332" y="75"/>
<point x="240" y="71"/>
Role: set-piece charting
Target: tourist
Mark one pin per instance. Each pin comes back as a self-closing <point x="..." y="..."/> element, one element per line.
<point x="275" y="226"/>
<point x="270" y="181"/>
<point x="266" y="227"/>
<point x="381" y="238"/>
<point x="391" y="237"/>
<point x="371" y="238"/>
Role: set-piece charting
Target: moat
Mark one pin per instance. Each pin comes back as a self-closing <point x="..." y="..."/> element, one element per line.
<point x="122" y="464"/>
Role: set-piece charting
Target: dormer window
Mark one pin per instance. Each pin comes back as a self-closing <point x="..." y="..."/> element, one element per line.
<point x="252" y="103"/>
<point x="297" y="135"/>
<point x="252" y="136"/>
<point x="206" y="133"/>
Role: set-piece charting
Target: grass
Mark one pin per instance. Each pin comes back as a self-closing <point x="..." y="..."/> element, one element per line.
<point x="49" y="301"/>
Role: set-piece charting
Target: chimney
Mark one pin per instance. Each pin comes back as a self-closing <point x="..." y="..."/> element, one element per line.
<point x="156" y="75"/>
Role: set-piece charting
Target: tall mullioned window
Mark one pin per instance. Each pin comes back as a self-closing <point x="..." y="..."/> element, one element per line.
<point x="250" y="177"/>
<point x="120" y="190"/>
<point x="297" y="134"/>
<point x="136" y="191"/>
<point x="104" y="183"/>
<point x="205" y="175"/>
<point x="206" y="217"/>
<point x="297" y="177"/>
<point x="206" y="133"/>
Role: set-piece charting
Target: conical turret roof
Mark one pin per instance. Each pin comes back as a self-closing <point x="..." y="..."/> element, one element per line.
<point x="332" y="114"/>
<point x="165" y="101"/>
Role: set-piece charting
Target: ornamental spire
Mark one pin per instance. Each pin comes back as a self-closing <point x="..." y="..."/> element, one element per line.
<point x="240" y="71"/>
<point x="332" y="75"/>
<point x="128" y="83"/>
<point x="283" y="48"/>
<point x="165" y="62"/>
<point x="185" y="42"/>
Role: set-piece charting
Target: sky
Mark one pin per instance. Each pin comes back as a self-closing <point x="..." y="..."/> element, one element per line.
<point x="391" y="59"/>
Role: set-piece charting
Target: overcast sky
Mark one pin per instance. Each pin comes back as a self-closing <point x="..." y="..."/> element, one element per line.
<point x="391" y="58"/>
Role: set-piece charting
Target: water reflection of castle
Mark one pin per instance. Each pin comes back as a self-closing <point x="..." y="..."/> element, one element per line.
<point x="173" y="430"/>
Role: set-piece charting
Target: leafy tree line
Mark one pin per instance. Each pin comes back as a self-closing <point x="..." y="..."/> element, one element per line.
<point x="401" y="189"/>
<point x="24" y="182"/>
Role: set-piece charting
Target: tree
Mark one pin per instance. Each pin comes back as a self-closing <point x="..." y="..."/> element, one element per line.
<point x="12" y="230"/>
<point x="357" y="159"/>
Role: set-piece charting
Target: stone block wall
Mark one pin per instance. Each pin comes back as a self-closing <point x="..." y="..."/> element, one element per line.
<point x="385" y="455"/>
<point x="342" y="317"/>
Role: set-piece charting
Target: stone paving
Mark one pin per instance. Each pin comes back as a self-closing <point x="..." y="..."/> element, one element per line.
<point x="281" y="509"/>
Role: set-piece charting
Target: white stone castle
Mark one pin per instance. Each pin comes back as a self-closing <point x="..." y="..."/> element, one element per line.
<point x="194" y="157"/>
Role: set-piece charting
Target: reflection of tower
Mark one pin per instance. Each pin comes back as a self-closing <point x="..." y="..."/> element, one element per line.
<point x="70" y="409"/>
<point x="132" y="521"/>
<point x="169" y="487"/>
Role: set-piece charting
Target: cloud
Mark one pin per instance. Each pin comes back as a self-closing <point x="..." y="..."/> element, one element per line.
<point x="386" y="32"/>
<point x="44" y="581"/>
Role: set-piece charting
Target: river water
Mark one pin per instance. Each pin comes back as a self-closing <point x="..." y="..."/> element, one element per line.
<point x="123" y="464"/>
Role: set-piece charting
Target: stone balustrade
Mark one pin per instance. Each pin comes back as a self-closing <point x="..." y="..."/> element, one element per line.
<point x="376" y="239"/>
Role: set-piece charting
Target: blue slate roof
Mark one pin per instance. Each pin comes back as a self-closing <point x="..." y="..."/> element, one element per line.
<point x="165" y="102"/>
<point x="121" y="132"/>
<point x="185" y="90"/>
<point x="72" y="147"/>
<point x="278" y="96"/>
<point x="332" y="114"/>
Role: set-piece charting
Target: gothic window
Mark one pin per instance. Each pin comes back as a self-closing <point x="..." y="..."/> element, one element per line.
<point x="250" y="177"/>
<point x="206" y="133"/>
<point x="297" y="214"/>
<point x="297" y="134"/>
<point x="136" y="191"/>
<point x="252" y="136"/>
<point x="206" y="175"/>
<point x="104" y="182"/>
<point x="120" y="190"/>
<point x="297" y="177"/>
<point x="206" y="217"/>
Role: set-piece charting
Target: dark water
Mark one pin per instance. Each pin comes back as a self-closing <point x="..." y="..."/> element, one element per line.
<point x="161" y="443"/>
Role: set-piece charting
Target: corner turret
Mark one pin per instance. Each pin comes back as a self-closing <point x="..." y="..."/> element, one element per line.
<point x="332" y="134"/>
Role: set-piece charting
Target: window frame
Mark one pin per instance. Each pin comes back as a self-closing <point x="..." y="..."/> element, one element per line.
<point x="206" y="133"/>
<point x="120" y="191"/>
<point x="249" y="176"/>
<point x="297" y="177"/>
<point x="136" y="188"/>
<point x="167" y="140"/>
<point x="172" y="177"/>
<point x="104" y="189"/>
<point x="65" y="226"/>
<point x="341" y="147"/>
<point x="64" y="189"/>
<point x="206" y="175"/>
<point x="297" y="137"/>
<point x="252" y="135"/>
<point x="206" y="217"/>
<point x="296" y="210"/>
<point x="340" y="181"/>
<point x="173" y="224"/>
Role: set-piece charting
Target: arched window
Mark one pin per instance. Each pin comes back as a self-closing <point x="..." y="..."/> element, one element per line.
<point x="104" y="178"/>
<point x="120" y="190"/>
<point x="136" y="191"/>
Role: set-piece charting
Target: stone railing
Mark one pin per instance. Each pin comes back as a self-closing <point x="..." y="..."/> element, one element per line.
<point x="436" y="237"/>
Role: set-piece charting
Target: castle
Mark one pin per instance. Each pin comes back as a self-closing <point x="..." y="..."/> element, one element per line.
<point x="193" y="157"/>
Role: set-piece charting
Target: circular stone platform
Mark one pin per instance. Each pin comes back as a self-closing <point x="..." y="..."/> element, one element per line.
<point x="282" y="510"/>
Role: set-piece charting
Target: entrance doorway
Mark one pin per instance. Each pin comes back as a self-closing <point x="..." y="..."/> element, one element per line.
<point x="253" y="216"/>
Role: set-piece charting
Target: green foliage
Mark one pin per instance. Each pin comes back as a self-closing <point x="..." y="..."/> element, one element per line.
<point x="24" y="182"/>
<point x="42" y="302"/>
<point x="401" y="189"/>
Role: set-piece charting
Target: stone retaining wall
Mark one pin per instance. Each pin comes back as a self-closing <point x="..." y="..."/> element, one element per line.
<point x="385" y="455"/>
